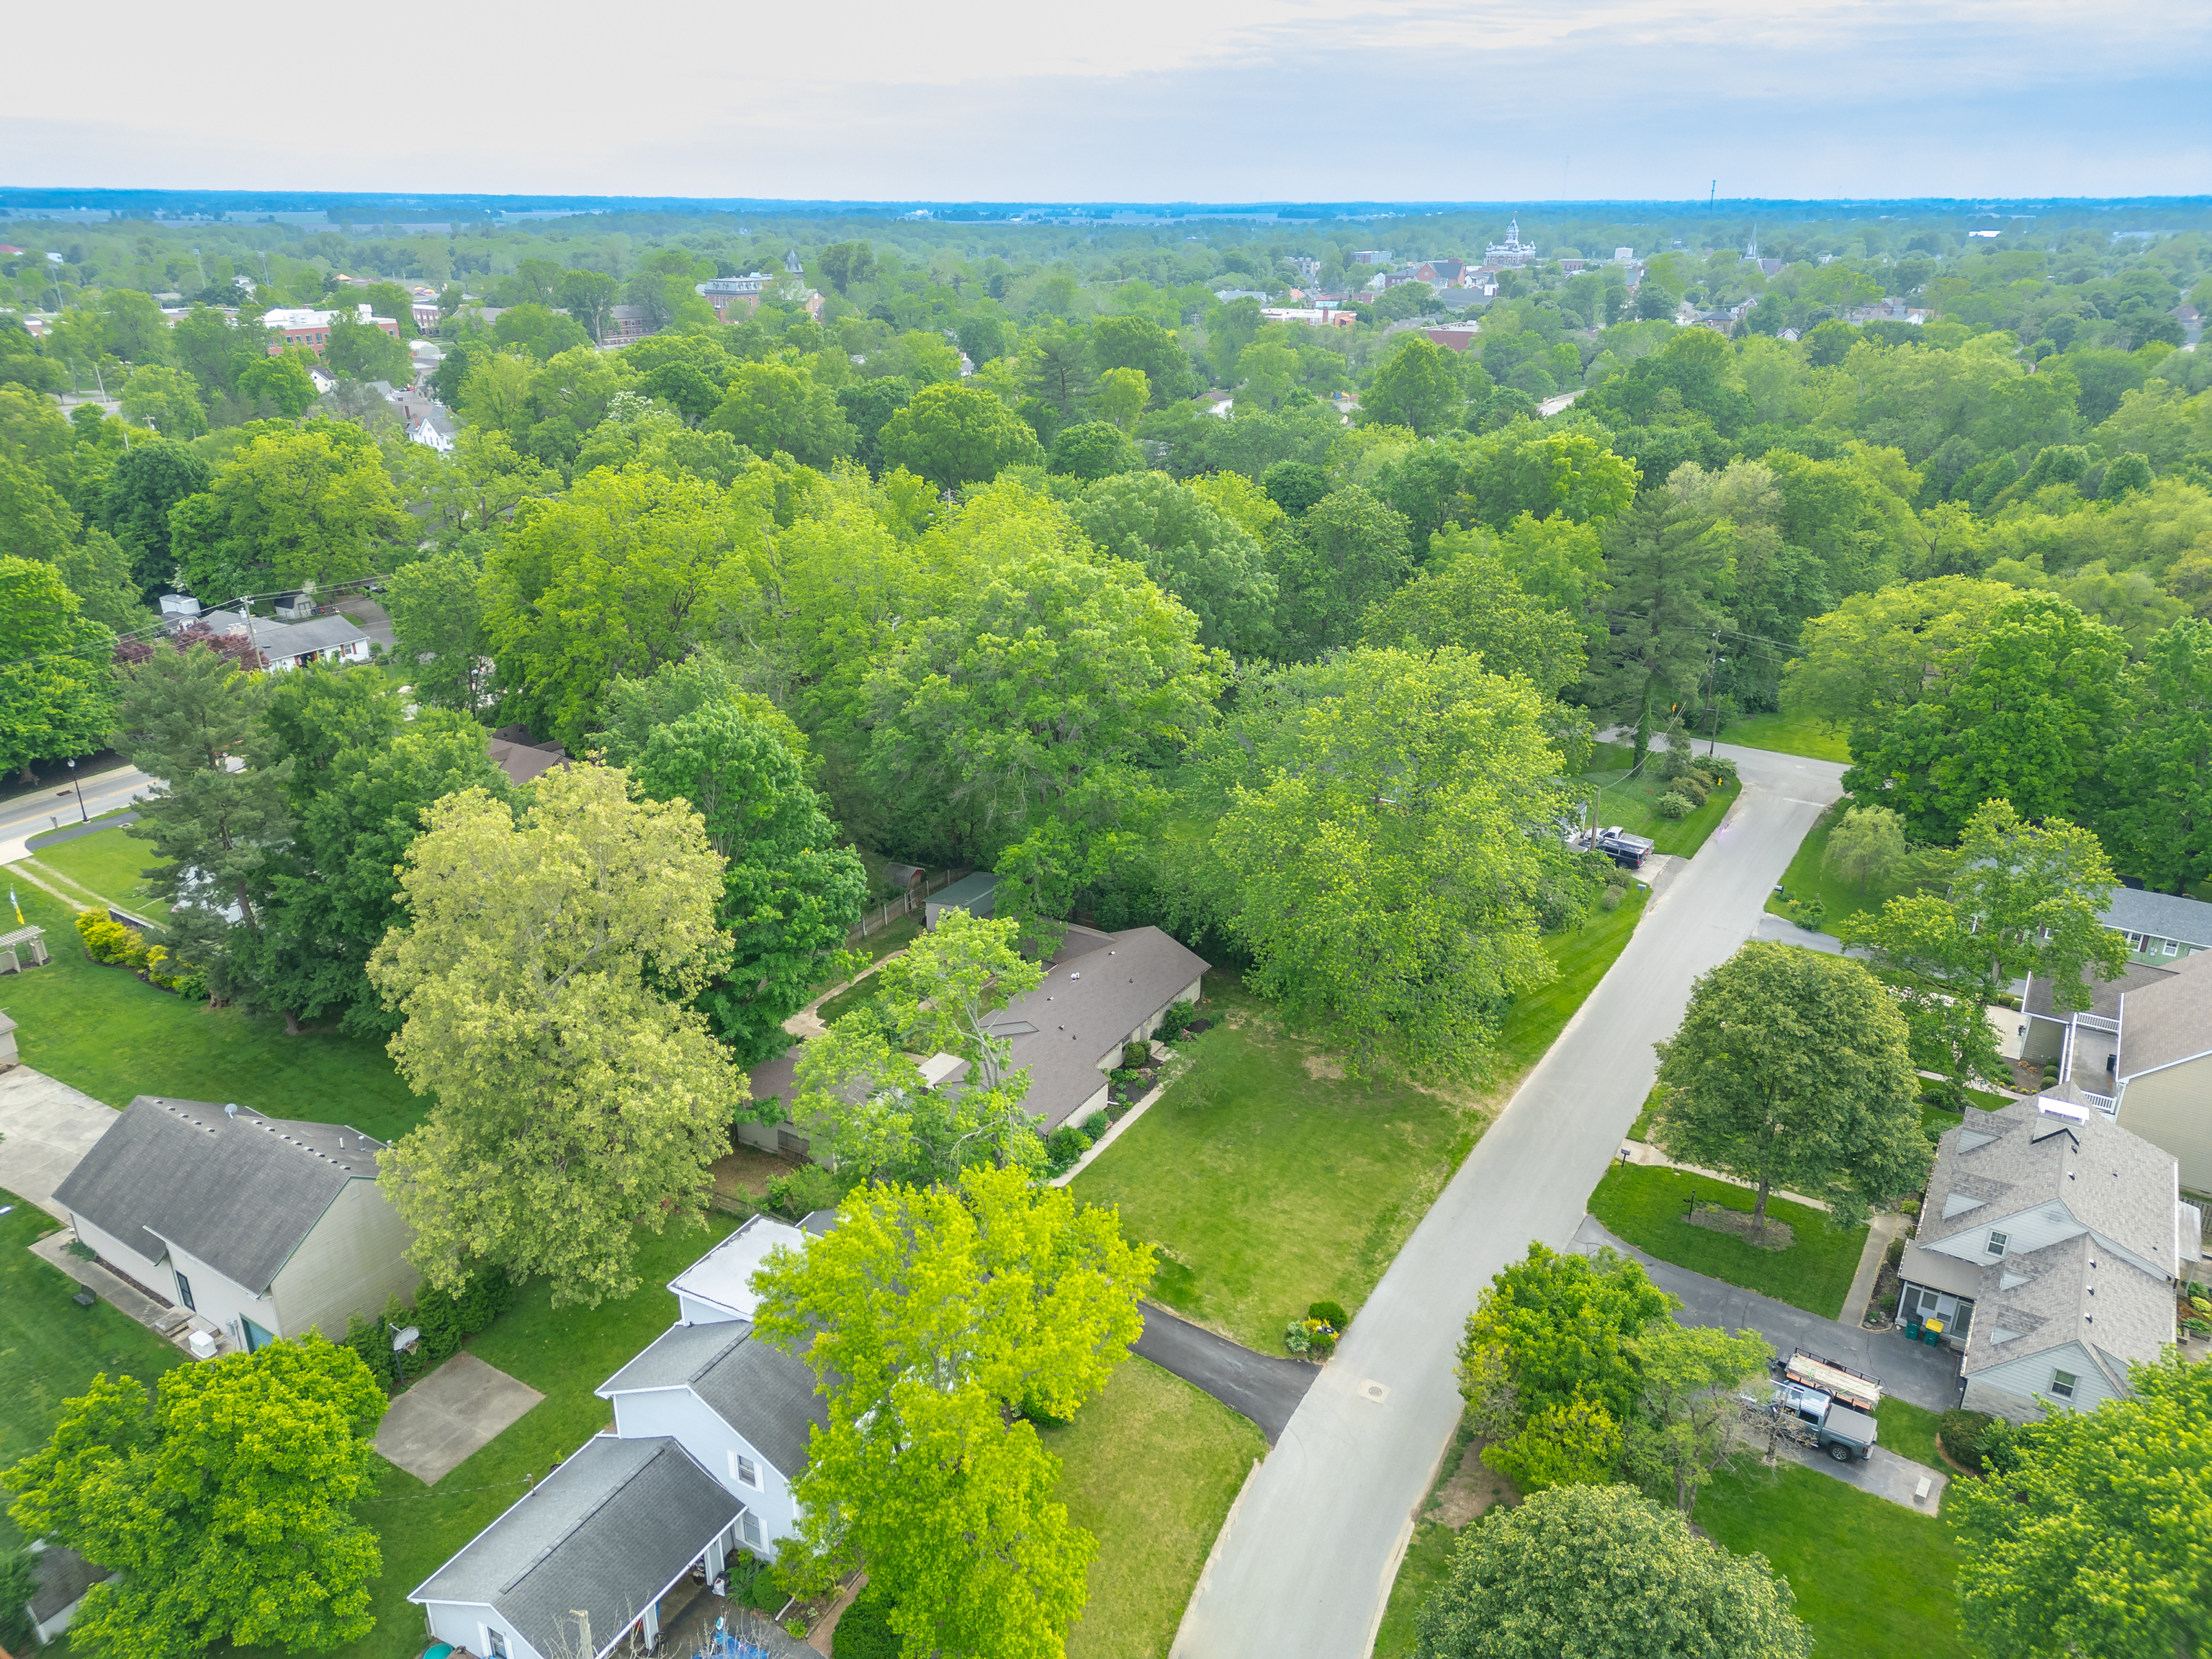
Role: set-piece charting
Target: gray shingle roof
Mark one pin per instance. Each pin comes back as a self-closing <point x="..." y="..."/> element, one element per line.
<point x="240" y="1193"/>
<point x="2105" y="994"/>
<point x="762" y="1392"/>
<point x="281" y="640"/>
<point x="2169" y="1019"/>
<point x="63" y="1576"/>
<point x="2018" y="1157"/>
<point x="2045" y="1299"/>
<point x="2161" y="915"/>
<point x="1101" y="987"/>
<point x="607" y="1532"/>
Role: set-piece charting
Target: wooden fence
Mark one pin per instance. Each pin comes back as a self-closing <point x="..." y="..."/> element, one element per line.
<point x="875" y="920"/>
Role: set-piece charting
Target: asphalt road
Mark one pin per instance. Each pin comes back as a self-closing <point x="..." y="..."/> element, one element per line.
<point x="1264" y="1387"/>
<point x="35" y="814"/>
<point x="1305" y="1564"/>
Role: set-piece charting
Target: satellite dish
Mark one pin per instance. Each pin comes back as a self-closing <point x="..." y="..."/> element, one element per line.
<point x="403" y="1339"/>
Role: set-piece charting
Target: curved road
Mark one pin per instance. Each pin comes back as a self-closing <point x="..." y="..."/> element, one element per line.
<point x="1305" y="1565"/>
<point x="38" y="813"/>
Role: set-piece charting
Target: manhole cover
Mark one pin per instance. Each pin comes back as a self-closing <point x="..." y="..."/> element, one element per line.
<point x="1374" y="1391"/>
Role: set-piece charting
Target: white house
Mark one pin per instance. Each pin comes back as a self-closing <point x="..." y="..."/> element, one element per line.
<point x="2047" y="1251"/>
<point x="60" y="1577"/>
<point x="259" y="1228"/>
<point x="332" y="638"/>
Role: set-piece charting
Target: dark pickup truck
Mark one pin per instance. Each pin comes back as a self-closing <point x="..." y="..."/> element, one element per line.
<point x="1625" y="850"/>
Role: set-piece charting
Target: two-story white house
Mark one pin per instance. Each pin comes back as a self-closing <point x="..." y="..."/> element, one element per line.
<point x="258" y="1227"/>
<point x="711" y="1428"/>
<point x="2047" y="1252"/>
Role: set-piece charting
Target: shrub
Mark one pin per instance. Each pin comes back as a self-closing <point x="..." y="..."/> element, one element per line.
<point x="1674" y="804"/>
<point x="1694" y="788"/>
<point x="2198" y="1327"/>
<point x="1720" y="770"/>
<point x="193" y="986"/>
<point x="1097" y="1125"/>
<point x="1613" y="897"/>
<point x="1809" y="914"/>
<point x="106" y="939"/>
<point x="802" y="1192"/>
<point x="1961" y="1434"/>
<point x="1063" y="1146"/>
<point x="864" y="1630"/>
<point x="1176" y="1021"/>
<point x="1134" y="1054"/>
<point x="1295" y="1337"/>
<point x="1895" y="1251"/>
<point x="2202" y="1305"/>
<point x="1329" y="1313"/>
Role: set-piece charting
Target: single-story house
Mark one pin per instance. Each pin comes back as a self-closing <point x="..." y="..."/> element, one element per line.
<point x="975" y="894"/>
<point x="2160" y="926"/>
<point x="2046" y="1255"/>
<point x="1103" y="992"/>
<point x="2140" y="1054"/>
<point x="711" y="1427"/>
<point x="521" y="756"/>
<point x="60" y="1578"/>
<point x="259" y="1228"/>
<point x="332" y="639"/>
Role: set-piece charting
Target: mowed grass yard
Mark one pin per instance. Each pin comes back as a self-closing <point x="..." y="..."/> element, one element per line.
<point x="1614" y="797"/>
<point x="1645" y="1204"/>
<point x="101" y="1029"/>
<point x="1270" y="1181"/>
<point x="108" y="864"/>
<point x="1150" y="1468"/>
<point x="1806" y="879"/>
<point x="1874" y="1580"/>
<point x="1790" y="734"/>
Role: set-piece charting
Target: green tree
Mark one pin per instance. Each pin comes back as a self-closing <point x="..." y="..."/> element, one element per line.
<point x="1567" y="474"/>
<point x="1140" y="343"/>
<point x="143" y="485"/>
<point x="1867" y="844"/>
<point x="1056" y="368"/>
<point x="1668" y="565"/>
<point x="1091" y="450"/>
<point x="224" y="1502"/>
<point x="313" y="505"/>
<point x="1551" y="1329"/>
<point x="1879" y="653"/>
<point x="1122" y="395"/>
<point x="589" y="297"/>
<point x="356" y="351"/>
<point x="1604" y="1571"/>
<point x="283" y="382"/>
<point x="1382" y="861"/>
<point x="184" y="717"/>
<point x="935" y="1321"/>
<point x="1571" y="1443"/>
<point x="1348" y="552"/>
<point x="2157" y="821"/>
<point x="2090" y="1542"/>
<point x="542" y="980"/>
<point x="56" y="698"/>
<point x="1206" y="560"/>
<point x="868" y="405"/>
<point x="772" y="407"/>
<point x="1468" y="597"/>
<point x="1790" y="1068"/>
<point x="1418" y="388"/>
<point x="790" y="892"/>
<point x="538" y="330"/>
<point x="1686" y="1431"/>
<point x="2034" y="896"/>
<point x="165" y="400"/>
<point x="437" y="610"/>
<point x="955" y="436"/>
<point x="1939" y="973"/>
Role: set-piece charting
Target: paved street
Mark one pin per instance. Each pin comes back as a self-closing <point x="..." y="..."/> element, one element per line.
<point x="35" y="814"/>
<point x="1306" y="1563"/>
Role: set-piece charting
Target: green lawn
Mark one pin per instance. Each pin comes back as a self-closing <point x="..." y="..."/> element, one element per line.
<point x="564" y="1354"/>
<point x="1790" y="734"/>
<point x="1150" y="1468"/>
<point x="1616" y="798"/>
<point x="108" y="865"/>
<point x="1271" y="1182"/>
<point x="101" y="1029"/>
<point x="1582" y="958"/>
<point x="1644" y="1204"/>
<point x="1804" y="878"/>
<point x="1426" y="1565"/>
<point x="1873" y="1579"/>
<point x="1908" y="1430"/>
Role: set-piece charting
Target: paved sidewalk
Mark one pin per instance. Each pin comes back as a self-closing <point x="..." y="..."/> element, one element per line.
<point x="1259" y="1386"/>
<point x="1879" y="1230"/>
<point x="1926" y="1376"/>
<point x="159" y="1317"/>
<point x="45" y="1129"/>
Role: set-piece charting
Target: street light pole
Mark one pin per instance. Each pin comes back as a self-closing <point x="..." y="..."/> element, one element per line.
<point x="82" y="815"/>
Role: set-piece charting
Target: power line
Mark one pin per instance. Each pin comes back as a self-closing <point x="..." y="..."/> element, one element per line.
<point x="158" y="631"/>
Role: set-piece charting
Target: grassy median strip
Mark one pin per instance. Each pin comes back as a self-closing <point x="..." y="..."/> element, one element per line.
<point x="1646" y="1205"/>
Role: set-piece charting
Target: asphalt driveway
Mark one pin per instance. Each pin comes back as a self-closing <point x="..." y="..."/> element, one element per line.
<point x="1264" y="1388"/>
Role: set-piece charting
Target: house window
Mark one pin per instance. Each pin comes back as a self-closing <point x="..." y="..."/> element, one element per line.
<point x="495" y="1641"/>
<point x="256" y="1338"/>
<point x="1997" y="1243"/>
<point x="2062" y="1385"/>
<point x="749" y="1528"/>
<point x="749" y="1472"/>
<point x="2173" y="947"/>
<point x="184" y="1291"/>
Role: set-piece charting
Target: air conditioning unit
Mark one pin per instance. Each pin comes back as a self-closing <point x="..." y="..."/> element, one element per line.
<point x="202" y="1345"/>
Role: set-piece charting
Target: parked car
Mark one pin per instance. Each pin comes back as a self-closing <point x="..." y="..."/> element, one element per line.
<point x="1625" y="850"/>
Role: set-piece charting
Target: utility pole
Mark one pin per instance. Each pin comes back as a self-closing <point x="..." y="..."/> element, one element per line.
<point x="1712" y="720"/>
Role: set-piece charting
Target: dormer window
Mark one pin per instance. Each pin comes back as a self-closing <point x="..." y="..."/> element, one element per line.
<point x="1996" y="1248"/>
<point x="2062" y="1385"/>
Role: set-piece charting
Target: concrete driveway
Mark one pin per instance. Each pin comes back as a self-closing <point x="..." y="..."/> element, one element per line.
<point x="459" y="1407"/>
<point x="1926" y="1376"/>
<point x="45" y="1129"/>
<point x="1306" y="1563"/>
<point x="1265" y="1388"/>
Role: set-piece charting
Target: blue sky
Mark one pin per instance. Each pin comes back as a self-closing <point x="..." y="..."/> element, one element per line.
<point x="1215" y="100"/>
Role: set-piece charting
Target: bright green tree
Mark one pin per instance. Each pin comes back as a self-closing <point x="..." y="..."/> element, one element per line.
<point x="772" y="407"/>
<point x="1866" y="844"/>
<point x="790" y="891"/>
<point x="57" y="695"/>
<point x="1091" y="450"/>
<point x="2033" y="896"/>
<point x="166" y="399"/>
<point x="437" y="610"/>
<point x="1939" y="973"/>
<point x="1382" y="862"/>
<point x="1686" y="1432"/>
<point x="1121" y="395"/>
<point x="2092" y="1542"/>
<point x="1419" y="387"/>
<point x="1604" y="1571"/>
<point x="538" y="330"/>
<point x="1348" y="552"/>
<point x="1468" y="597"/>
<point x="283" y="380"/>
<point x="2157" y="818"/>
<point x="1790" y="1069"/>
<point x="313" y="505"/>
<point x="1569" y="1443"/>
<point x="937" y="1322"/>
<point x="224" y="1502"/>
<point x="543" y="979"/>
<point x="361" y="351"/>
<point x="955" y="436"/>
<point x="1551" y="1329"/>
<point x="1205" y="558"/>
